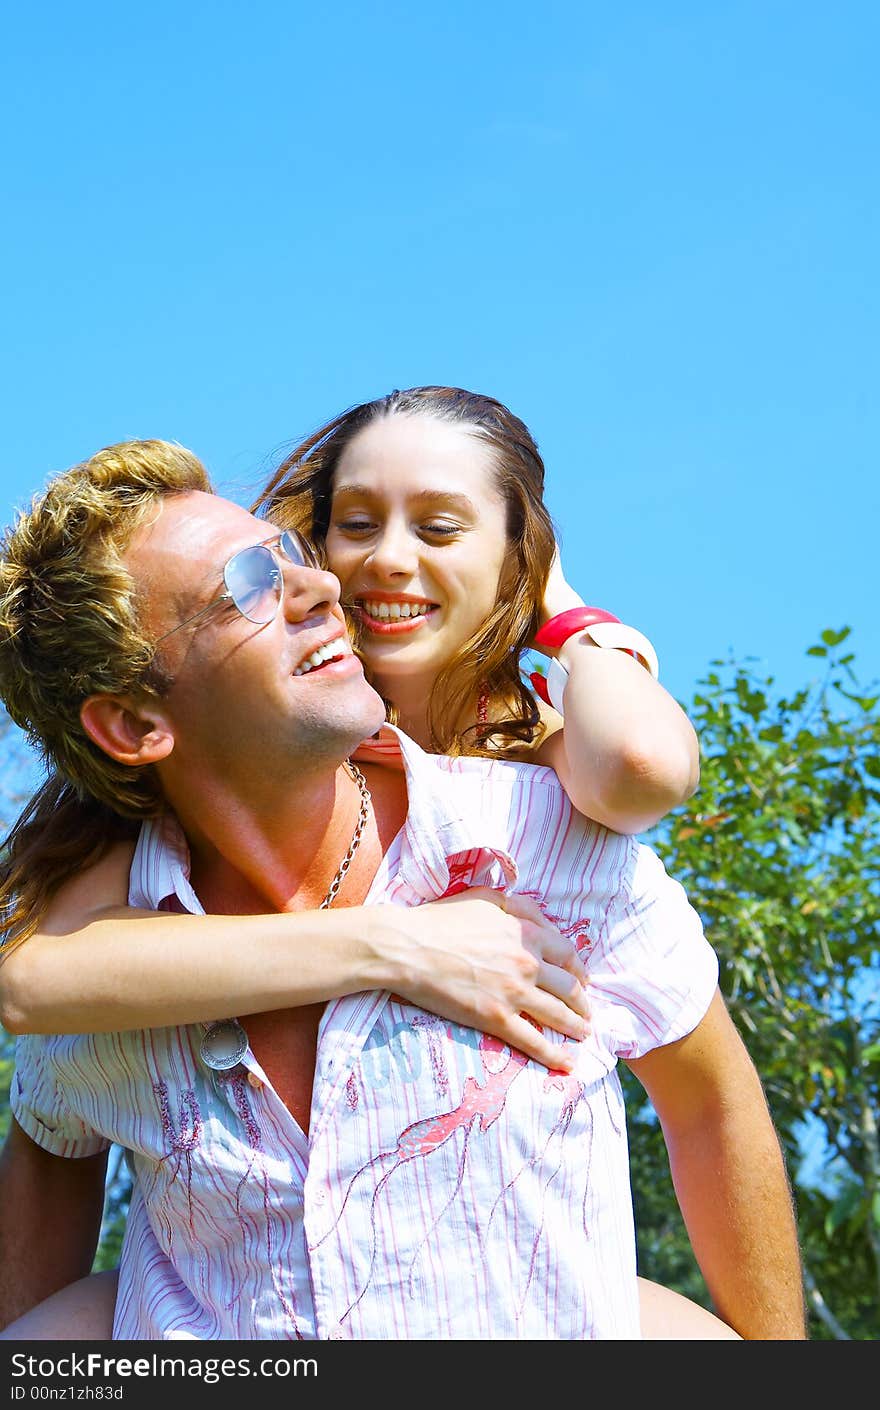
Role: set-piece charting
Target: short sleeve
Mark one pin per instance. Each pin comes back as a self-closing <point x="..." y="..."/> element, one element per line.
<point x="653" y="973"/>
<point x="39" y="1107"/>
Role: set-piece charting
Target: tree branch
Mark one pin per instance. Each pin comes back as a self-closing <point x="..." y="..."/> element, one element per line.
<point x="823" y="1311"/>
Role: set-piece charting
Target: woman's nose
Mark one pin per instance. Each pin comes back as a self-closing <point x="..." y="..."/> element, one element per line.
<point x="393" y="551"/>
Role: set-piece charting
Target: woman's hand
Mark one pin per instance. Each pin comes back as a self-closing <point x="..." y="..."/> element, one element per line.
<point x="559" y="595"/>
<point x="627" y="754"/>
<point x="506" y="969"/>
<point x="97" y="966"/>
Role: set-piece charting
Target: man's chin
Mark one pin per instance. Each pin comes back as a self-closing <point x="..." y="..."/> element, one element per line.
<point x="363" y="719"/>
<point x="376" y="714"/>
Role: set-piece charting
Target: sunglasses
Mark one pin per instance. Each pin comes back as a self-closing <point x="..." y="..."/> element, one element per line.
<point x="253" y="579"/>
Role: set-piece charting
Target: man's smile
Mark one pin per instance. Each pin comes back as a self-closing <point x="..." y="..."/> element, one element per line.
<point x="333" y="650"/>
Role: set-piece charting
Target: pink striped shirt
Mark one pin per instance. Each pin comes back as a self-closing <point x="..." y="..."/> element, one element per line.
<point x="448" y="1188"/>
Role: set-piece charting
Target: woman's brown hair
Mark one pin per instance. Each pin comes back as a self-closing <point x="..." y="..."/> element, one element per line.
<point x="299" y="495"/>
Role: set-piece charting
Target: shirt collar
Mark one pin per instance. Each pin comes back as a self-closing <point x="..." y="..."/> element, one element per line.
<point x="160" y="868"/>
<point x="447" y="813"/>
<point x="447" y="817"/>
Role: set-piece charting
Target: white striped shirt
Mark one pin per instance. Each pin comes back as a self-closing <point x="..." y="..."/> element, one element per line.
<point x="448" y="1188"/>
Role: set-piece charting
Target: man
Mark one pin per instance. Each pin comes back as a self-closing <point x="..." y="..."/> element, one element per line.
<point x="361" y="1171"/>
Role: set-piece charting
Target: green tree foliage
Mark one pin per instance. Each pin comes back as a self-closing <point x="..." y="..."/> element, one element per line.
<point x="779" y="851"/>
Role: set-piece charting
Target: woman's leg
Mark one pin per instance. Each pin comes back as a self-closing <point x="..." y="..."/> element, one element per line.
<point x="82" y="1311"/>
<point x="667" y="1316"/>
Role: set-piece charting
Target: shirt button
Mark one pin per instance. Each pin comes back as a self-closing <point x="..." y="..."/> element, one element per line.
<point x="255" y="1081"/>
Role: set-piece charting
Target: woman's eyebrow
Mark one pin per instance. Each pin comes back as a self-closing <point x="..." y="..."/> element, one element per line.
<point x="427" y="497"/>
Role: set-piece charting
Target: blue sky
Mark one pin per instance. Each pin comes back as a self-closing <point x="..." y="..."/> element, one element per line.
<point x="650" y="229"/>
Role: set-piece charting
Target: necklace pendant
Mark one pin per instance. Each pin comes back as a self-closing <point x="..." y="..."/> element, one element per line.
<point x="223" y="1045"/>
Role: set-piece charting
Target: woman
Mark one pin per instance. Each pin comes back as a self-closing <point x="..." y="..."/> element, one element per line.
<point x="428" y="506"/>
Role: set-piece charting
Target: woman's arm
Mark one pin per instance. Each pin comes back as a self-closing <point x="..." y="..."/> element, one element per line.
<point x="97" y="965"/>
<point x="628" y="753"/>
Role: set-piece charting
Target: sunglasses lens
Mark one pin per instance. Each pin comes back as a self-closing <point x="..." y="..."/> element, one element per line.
<point x="253" y="581"/>
<point x="298" y="550"/>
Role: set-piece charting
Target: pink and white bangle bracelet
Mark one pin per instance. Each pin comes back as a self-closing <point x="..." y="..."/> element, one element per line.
<point x="603" y="629"/>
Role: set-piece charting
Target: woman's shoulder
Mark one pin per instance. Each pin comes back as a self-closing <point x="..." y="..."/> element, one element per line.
<point x="97" y="887"/>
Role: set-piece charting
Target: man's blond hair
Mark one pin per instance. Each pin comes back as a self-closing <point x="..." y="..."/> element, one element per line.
<point x="70" y="627"/>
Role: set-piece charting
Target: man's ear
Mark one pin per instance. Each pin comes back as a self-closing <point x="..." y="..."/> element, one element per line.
<point x="132" y="731"/>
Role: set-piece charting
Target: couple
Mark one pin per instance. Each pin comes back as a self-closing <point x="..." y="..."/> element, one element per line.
<point x="356" y="1168"/>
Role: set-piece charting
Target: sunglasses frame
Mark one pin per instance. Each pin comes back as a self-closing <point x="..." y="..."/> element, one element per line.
<point x="274" y="547"/>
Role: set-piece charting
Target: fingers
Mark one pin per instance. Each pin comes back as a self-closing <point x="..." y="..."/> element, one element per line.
<point x="572" y="992"/>
<point x="540" y="935"/>
<point x="554" y="949"/>
<point x="559" y="595"/>
<point x="546" y="939"/>
<point x="559" y="1002"/>
<point x="523" y="907"/>
<point x="523" y="1036"/>
<point x="493" y="894"/>
<point x="510" y="973"/>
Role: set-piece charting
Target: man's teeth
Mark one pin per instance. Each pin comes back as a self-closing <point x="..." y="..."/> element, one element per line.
<point x="330" y="652"/>
<point x="386" y="611"/>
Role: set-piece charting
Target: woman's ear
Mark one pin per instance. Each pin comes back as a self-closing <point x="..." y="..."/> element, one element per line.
<point x="132" y="731"/>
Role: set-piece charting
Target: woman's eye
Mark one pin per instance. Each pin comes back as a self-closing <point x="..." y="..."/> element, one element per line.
<point x="441" y="530"/>
<point x="355" y="526"/>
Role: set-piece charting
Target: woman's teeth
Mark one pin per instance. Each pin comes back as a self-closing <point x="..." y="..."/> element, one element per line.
<point x="392" y="611"/>
<point x="330" y="652"/>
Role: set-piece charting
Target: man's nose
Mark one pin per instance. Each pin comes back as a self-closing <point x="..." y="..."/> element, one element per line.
<point x="307" y="591"/>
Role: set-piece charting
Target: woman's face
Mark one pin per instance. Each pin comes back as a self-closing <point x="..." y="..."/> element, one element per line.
<point x="418" y="539"/>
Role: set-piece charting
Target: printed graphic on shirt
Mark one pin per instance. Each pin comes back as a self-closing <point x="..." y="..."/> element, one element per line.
<point x="482" y="1104"/>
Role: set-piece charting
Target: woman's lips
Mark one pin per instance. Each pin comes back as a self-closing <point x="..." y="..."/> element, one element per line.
<point x="391" y="626"/>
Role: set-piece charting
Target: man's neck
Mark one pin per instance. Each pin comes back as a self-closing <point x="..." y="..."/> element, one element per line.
<point x="249" y="857"/>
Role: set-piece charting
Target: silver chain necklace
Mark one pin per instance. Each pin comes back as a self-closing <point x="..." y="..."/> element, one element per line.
<point x="225" y="1042"/>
